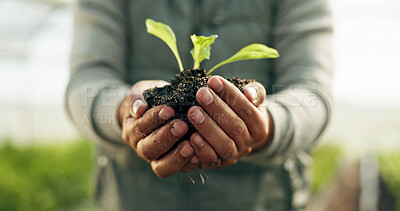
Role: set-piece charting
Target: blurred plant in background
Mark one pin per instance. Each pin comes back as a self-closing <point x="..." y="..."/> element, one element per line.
<point x="60" y="177"/>
<point x="325" y="166"/>
<point x="52" y="177"/>
<point x="389" y="164"/>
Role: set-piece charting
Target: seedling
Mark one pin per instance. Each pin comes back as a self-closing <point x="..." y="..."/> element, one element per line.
<point x="181" y="93"/>
<point x="202" y="47"/>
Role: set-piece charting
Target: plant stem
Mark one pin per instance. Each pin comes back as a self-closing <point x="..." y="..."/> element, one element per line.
<point x="179" y="60"/>
<point x="215" y="67"/>
<point x="196" y="64"/>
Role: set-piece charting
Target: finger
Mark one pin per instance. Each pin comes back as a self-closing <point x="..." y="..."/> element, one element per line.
<point x="151" y="119"/>
<point x="255" y="93"/>
<point x="174" y="161"/>
<point x="251" y="115"/>
<point x="139" y="106"/>
<point x="223" y="145"/>
<point x="226" y="118"/>
<point x="160" y="141"/>
<point x="135" y="104"/>
<point x="191" y="165"/>
<point x="206" y="154"/>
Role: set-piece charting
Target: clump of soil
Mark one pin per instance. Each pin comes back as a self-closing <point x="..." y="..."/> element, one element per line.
<point x="181" y="93"/>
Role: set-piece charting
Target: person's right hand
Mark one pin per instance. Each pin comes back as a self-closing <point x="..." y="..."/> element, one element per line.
<point x="155" y="146"/>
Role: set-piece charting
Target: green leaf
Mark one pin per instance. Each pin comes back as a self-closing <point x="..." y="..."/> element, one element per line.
<point x="201" y="48"/>
<point x="253" y="51"/>
<point x="165" y="33"/>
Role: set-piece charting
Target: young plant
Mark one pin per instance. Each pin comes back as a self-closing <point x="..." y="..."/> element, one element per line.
<point x="202" y="47"/>
<point x="180" y="93"/>
<point x="165" y="33"/>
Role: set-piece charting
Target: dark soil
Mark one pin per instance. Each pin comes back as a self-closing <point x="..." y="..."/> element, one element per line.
<point x="181" y="93"/>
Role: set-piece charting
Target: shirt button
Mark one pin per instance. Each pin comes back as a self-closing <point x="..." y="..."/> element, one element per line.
<point x="102" y="161"/>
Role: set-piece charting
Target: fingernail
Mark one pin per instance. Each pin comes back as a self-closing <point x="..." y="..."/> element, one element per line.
<point x="253" y="93"/>
<point x="216" y="84"/>
<point x="206" y="97"/>
<point x="178" y="128"/>
<point x="194" y="160"/>
<point x="186" y="151"/>
<point x="165" y="114"/>
<point x="197" y="116"/>
<point x="198" y="141"/>
<point x="136" y="105"/>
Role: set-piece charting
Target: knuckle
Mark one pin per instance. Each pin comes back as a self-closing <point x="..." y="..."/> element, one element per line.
<point x="128" y="139"/>
<point x="246" y="151"/>
<point x="208" y="158"/>
<point x="231" y="97"/>
<point x="148" y="153"/>
<point x="211" y="164"/>
<point x="219" y="118"/>
<point x="128" y="122"/>
<point x="227" y="152"/>
<point x="238" y="128"/>
<point x="231" y="162"/>
<point x="261" y="134"/>
<point x="138" y="130"/>
<point x="179" y="159"/>
<point x="246" y="111"/>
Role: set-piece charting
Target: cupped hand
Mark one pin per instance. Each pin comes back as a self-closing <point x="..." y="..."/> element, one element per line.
<point x="152" y="133"/>
<point x="230" y="124"/>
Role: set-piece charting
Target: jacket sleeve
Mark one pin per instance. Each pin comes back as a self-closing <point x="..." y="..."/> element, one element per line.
<point x="300" y="99"/>
<point x="97" y="69"/>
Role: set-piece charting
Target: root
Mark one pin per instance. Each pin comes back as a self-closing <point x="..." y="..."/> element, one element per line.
<point x="190" y="178"/>
<point x="202" y="175"/>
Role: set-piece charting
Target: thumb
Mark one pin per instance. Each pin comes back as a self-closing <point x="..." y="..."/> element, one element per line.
<point x="255" y="93"/>
<point x="132" y="106"/>
<point x="139" y="106"/>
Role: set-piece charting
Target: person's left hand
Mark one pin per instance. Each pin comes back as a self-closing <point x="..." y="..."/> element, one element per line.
<point x="230" y="124"/>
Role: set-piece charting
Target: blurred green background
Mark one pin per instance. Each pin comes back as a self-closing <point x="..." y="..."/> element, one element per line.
<point x="60" y="177"/>
<point x="52" y="177"/>
<point x="46" y="165"/>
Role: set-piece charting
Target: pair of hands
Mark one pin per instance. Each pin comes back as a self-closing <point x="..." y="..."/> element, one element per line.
<point x="230" y="125"/>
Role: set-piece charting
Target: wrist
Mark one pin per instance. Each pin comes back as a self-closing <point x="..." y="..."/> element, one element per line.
<point x="105" y="111"/>
<point x="269" y="134"/>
